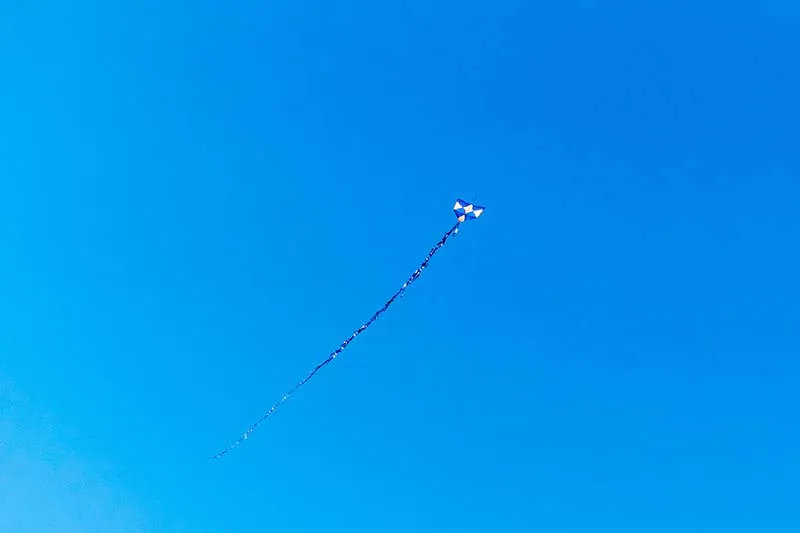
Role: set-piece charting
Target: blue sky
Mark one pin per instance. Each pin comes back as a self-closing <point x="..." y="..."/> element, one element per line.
<point x="200" y="200"/>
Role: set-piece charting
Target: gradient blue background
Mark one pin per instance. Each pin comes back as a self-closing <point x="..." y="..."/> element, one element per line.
<point x="199" y="200"/>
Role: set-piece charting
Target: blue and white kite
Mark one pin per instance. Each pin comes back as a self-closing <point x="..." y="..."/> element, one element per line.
<point x="463" y="211"/>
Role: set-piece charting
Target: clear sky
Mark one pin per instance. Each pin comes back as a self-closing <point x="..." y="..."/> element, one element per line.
<point x="200" y="200"/>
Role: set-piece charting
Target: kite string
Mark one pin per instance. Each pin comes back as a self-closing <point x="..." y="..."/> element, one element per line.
<point x="414" y="276"/>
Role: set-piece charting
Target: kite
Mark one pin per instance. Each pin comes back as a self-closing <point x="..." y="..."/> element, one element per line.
<point x="463" y="211"/>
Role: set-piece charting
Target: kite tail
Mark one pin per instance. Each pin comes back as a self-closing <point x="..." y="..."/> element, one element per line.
<point x="414" y="276"/>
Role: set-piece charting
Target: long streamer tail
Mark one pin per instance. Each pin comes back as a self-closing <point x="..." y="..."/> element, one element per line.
<point x="414" y="276"/>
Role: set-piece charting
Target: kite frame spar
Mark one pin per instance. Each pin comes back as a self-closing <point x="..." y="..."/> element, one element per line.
<point x="463" y="211"/>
